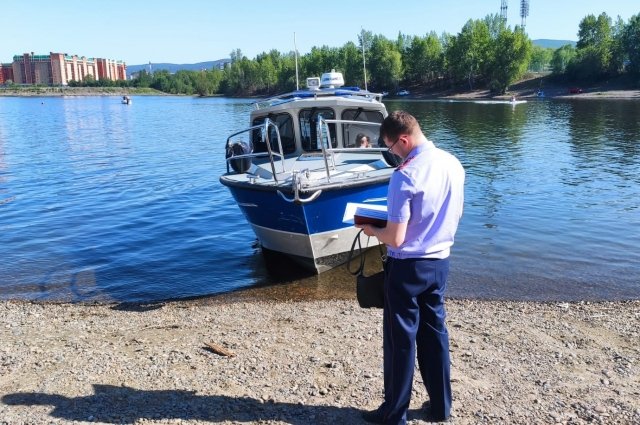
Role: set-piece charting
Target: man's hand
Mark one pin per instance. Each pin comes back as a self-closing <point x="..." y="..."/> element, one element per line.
<point x="367" y="229"/>
<point x="392" y="235"/>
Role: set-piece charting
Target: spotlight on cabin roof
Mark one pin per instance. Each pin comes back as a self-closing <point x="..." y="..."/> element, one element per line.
<point x="331" y="79"/>
<point x="313" y="83"/>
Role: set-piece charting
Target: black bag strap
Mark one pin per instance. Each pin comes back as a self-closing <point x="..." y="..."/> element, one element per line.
<point x="360" y="270"/>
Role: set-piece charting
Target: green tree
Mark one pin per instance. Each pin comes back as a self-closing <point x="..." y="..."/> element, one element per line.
<point x="593" y="53"/>
<point x="236" y="55"/>
<point x="510" y="58"/>
<point x="386" y="63"/>
<point x="144" y="79"/>
<point x="618" y="54"/>
<point x="365" y="37"/>
<point x="423" y="59"/>
<point x="161" y="81"/>
<point x="403" y="42"/>
<point x="320" y="60"/>
<point x="208" y="82"/>
<point x="540" y="58"/>
<point x="267" y="72"/>
<point x="235" y="75"/>
<point x="287" y="73"/>
<point x="495" y="25"/>
<point x="631" y="44"/>
<point x="351" y="58"/>
<point x="183" y="82"/>
<point x="594" y="31"/>
<point x="561" y="58"/>
<point x="468" y="52"/>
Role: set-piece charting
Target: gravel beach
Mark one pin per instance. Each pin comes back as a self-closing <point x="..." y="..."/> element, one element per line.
<point x="310" y="362"/>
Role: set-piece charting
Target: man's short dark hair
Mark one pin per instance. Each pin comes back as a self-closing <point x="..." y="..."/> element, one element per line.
<point x="398" y="123"/>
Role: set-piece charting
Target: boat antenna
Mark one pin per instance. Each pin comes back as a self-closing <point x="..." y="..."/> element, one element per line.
<point x="295" y="52"/>
<point x="364" y="65"/>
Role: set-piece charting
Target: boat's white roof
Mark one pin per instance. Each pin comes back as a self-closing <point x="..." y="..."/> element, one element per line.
<point x="341" y="95"/>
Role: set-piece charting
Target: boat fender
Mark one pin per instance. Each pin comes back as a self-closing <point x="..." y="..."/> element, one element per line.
<point x="240" y="165"/>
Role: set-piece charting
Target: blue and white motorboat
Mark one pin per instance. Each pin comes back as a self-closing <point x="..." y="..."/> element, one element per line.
<point x="297" y="166"/>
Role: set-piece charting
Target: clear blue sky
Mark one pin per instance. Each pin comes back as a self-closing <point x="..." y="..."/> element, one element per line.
<point x="190" y="31"/>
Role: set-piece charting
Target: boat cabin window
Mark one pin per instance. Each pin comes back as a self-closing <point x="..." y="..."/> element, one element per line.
<point x="309" y="128"/>
<point x="285" y="127"/>
<point x="351" y="131"/>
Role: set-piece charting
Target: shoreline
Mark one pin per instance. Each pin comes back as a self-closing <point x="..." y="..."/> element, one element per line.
<point x="526" y="93"/>
<point x="528" y="87"/>
<point x="309" y="362"/>
<point x="77" y="91"/>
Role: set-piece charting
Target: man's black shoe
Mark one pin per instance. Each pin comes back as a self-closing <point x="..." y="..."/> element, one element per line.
<point x="429" y="416"/>
<point x="373" y="417"/>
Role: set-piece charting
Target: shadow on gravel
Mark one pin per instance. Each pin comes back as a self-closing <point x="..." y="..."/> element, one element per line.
<point x="124" y="405"/>
<point x="137" y="307"/>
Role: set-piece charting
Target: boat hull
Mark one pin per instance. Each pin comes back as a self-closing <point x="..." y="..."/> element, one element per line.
<point x="313" y="234"/>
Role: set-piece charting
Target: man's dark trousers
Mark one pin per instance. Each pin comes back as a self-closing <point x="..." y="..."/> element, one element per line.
<point x="414" y="315"/>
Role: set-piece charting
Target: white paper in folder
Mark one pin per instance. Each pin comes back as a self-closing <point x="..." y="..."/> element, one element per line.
<point x="374" y="211"/>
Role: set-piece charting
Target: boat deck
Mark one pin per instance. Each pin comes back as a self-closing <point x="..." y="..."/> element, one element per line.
<point x="350" y="168"/>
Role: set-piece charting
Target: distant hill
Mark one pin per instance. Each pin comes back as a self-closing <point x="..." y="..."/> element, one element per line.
<point x="553" y="44"/>
<point x="173" y="67"/>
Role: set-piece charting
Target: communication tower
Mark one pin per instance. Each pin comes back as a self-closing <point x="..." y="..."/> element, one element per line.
<point x="524" y="12"/>
<point x="503" y="11"/>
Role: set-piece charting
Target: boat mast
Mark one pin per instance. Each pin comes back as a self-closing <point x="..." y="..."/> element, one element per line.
<point x="295" y="52"/>
<point x="364" y="65"/>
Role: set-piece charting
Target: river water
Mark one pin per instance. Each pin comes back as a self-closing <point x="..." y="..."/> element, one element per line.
<point x="106" y="202"/>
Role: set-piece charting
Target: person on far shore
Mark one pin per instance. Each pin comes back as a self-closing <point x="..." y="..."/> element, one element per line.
<point x="424" y="202"/>
<point x="362" y="141"/>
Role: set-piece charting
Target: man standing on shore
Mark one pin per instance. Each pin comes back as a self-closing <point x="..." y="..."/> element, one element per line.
<point x="424" y="203"/>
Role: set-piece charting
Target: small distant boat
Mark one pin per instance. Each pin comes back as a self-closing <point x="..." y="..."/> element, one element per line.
<point x="296" y="168"/>
<point x="497" y="102"/>
<point x="126" y="100"/>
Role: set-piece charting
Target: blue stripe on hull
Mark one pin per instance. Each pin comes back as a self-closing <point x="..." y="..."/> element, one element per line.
<point x="268" y="209"/>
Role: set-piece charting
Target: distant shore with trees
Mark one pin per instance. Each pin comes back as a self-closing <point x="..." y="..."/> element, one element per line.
<point x="485" y="59"/>
<point x="526" y="88"/>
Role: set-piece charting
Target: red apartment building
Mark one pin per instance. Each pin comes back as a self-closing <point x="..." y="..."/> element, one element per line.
<point x="60" y="68"/>
<point x="6" y="73"/>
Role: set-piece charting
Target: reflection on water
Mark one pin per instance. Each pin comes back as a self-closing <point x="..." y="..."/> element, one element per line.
<point x="100" y="201"/>
<point x="551" y="197"/>
<point x="288" y="283"/>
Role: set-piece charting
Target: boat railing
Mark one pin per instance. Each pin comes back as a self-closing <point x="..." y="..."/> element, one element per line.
<point x="349" y="92"/>
<point x="327" y="150"/>
<point x="324" y="136"/>
<point x="264" y="129"/>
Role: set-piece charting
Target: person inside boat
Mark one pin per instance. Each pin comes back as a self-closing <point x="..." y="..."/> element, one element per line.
<point x="362" y="141"/>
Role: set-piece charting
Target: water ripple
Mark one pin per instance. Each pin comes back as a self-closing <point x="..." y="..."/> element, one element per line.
<point x="111" y="203"/>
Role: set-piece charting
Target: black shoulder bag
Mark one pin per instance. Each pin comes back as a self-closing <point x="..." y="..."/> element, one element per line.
<point x="369" y="289"/>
